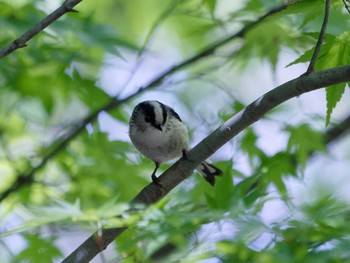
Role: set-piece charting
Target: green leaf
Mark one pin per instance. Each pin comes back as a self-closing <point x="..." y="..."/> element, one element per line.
<point x="335" y="52"/>
<point x="224" y="189"/>
<point x="266" y="40"/>
<point x="275" y="168"/>
<point x="303" y="141"/>
<point x="43" y="250"/>
<point x="249" y="228"/>
<point x="211" y="5"/>
<point x="248" y="145"/>
<point x="88" y="92"/>
<point x="48" y="86"/>
<point x="45" y="215"/>
<point x="301" y="7"/>
<point x="316" y="10"/>
<point x="252" y="188"/>
<point x="253" y="5"/>
<point x="333" y="95"/>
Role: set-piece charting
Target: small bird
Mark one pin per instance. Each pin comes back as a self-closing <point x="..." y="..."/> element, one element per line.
<point x="158" y="132"/>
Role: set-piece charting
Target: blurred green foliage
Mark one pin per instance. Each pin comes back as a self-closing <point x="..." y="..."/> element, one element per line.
<point x="50" y="86"/>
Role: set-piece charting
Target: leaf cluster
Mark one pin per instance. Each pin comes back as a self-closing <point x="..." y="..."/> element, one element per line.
<point x="50" y="86"/>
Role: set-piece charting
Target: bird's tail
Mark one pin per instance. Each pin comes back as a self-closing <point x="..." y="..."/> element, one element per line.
<point x="209" y="171"/>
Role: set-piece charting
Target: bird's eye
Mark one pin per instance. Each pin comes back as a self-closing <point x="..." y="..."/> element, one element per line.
<point x="147" y="119"/>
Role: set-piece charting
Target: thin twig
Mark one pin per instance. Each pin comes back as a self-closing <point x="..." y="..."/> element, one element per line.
<point x="28" y="177"/>
<point x="321" y="37"/>
<point x="184" y="168"/>
<point x="140" y="54"/>
<point x="20" y="42"/>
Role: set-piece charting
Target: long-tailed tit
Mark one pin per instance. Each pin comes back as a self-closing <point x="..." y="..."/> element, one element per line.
<point x="157" y="131"/>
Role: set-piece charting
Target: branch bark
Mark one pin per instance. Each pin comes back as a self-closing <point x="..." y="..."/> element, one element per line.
<point x="184" y="168"/>
<point x="338" y="131"/>
<point x="27" y="178"/>
<point x="320" y="39"/>
<point x="20" y="42"/>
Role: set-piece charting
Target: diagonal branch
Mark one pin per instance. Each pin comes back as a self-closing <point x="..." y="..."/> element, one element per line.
<point x="28" y="177"/>
<point x="184" y="168"/>
<point x="20" y="42"/>
<point x="338" y="131"/>
<point x="320" y="39"/>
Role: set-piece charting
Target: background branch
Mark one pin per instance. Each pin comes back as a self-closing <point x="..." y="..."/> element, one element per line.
<point x="27" y="178"/>
<point x="184" y="168"/>
<point x="338" y="131"/>
<point x="311" y="66"/>
<point x="20" y="42"/>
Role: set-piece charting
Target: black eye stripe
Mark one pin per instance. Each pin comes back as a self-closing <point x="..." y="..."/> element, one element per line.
<point x="164" y="112"/>
<point x="148" y="109"/>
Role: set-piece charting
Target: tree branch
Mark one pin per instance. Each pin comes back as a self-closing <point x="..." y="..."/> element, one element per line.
<point x="20" y="42"/>
<point x="320" y="39"/>
<point x="184" y="168"/>
<point x="27" y="178"/>
<point x="338" y="131"/>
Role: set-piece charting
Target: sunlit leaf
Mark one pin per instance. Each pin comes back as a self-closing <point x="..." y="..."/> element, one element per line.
<point x="333" y="95"/>
<point x="249" y="228"/>
<point x="249" y="145"/>
<point x="37" y="248"/>
<point x="59" y="79"/>
<point x="211" y="5"/>
<point x="303" y="141"/>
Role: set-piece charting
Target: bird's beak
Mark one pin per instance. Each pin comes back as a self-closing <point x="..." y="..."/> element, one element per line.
<point x="159" y="127"/>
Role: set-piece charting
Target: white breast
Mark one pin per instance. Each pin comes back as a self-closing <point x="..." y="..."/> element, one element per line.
<point x="161" y="146"/>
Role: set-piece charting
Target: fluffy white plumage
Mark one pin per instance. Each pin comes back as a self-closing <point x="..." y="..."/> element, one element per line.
<point x="158" y="132"/>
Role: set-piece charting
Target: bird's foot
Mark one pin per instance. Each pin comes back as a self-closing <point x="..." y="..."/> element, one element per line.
<point x="184" y="154"/>
<point x="155" y="179"/>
